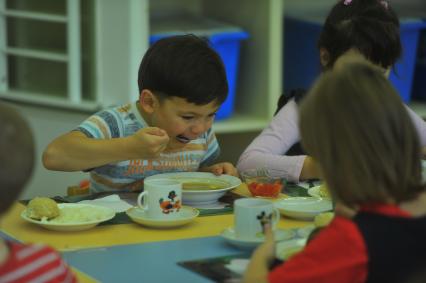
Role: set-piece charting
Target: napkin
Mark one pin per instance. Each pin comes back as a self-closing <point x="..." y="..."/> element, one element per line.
<point x="111" y="201"/>
<point x="309" y="184"/>
<point x="238" y="265"/>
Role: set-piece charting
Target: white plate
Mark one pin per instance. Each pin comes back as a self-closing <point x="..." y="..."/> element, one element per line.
<point x="105" y="214"/>
<point x="305" y="208"/>
<point x="229" y="235"/>
<point x="139" y="216"/>
<point x="286" y="249"/>
<point x="201" y="197"/>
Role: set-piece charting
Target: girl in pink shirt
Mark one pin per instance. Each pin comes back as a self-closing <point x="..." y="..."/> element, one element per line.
<point x="369" y="28"/>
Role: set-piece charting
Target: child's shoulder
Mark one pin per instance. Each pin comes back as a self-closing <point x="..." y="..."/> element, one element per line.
<point x="119" y="109"/>
<point x="126" y="113"/>
<point x="18" y="248"/>
<point x="296" y="94"/>
<point x="25" y="256"/>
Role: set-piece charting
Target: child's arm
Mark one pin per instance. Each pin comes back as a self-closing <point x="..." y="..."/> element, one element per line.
<point x="258" y="268"/>
<point x="74" y="151"/>
<point x="310" y="169"/>
<point x="420" y="126"/>
<point x="269" y="148"/>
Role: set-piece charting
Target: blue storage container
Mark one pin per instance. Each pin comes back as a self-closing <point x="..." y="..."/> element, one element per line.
<point x="224" y="39"/>
<point x="403" y="76"/>
<point x="419" y="84"/>
<point x="301" y="55"/>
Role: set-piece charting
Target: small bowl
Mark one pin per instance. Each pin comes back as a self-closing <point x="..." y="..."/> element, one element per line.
<point x="261" y="184"/>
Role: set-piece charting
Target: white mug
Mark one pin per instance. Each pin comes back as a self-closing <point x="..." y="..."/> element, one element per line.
<point x="162" y="198"/>
<point x="250" y="216"/>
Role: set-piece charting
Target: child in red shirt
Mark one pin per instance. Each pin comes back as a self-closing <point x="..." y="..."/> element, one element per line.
<point x="22" y="262"/>
<point x="356" y="128"/>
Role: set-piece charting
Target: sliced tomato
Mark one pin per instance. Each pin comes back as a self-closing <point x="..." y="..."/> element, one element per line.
<point x="265" y="190"/>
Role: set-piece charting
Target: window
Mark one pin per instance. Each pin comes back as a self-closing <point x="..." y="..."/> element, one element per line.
<point x="47" y="51"/>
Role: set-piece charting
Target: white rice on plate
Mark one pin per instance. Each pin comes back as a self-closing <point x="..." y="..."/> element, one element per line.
<point x="79" y="215"/>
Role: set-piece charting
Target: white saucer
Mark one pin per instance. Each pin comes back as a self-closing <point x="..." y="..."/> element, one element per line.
<point x="305" y="208"/>
<point x="139" y="216"/>
<point x="229" y="235"/>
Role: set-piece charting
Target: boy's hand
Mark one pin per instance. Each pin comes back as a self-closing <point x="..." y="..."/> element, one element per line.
<point x="149" y="142"/>
<point x="221" y="168"/>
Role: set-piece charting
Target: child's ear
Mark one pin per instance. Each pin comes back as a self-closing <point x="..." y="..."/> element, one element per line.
<point x="324" y="56"/>
<point x="147" y="100"/>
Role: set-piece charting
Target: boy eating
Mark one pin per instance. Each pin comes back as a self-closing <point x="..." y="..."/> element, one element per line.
<point x="182" y="82"/>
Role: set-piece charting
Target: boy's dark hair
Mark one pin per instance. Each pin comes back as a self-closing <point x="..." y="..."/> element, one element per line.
<point x="16" y="155"/>
<point x="184" y="66"/>
<point x="355" y="126"/>
<point x="371" y="26"/>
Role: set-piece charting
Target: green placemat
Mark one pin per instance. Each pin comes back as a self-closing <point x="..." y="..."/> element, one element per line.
<point x="123" y="218"/>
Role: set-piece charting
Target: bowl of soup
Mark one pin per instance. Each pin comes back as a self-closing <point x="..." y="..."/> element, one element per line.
<point x="200" y="188"/>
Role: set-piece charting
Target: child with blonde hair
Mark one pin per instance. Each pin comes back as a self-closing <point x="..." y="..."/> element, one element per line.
<point x="355" y="127"/>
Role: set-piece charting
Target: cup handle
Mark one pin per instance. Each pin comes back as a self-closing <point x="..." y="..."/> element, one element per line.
<point x="143" y="204"/>
<point x="276" y="219"/>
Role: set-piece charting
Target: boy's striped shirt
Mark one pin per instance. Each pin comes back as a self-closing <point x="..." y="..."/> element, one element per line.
<point x="124" y="121"/>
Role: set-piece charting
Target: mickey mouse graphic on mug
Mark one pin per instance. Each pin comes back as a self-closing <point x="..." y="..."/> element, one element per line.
<point x="264" y="219"/>
<point x="250" y="217"/>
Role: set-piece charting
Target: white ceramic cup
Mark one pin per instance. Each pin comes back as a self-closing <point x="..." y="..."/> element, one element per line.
<point x="161" y="198"/>
<point x="250" y="215"/>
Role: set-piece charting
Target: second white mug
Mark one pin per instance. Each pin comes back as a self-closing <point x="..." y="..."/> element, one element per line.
<point x="250" y="216"/>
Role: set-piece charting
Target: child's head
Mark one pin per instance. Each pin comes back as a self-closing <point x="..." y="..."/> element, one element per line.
<point x="369" y="26"/>
<point x="16" y="155"/>
<point x="355" y="126"/>
<point x="182" y="82"/>
<point x="184" y="66"/>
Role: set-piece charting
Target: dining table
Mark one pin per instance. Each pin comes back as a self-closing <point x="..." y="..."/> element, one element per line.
<point x="130" y="252"/>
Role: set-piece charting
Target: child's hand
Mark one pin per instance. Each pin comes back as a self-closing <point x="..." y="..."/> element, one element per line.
<point x="149" y="142"/>
<point x="258" y="268"/>
<point x="266" y="250"/>
<point x="221" y="168"/>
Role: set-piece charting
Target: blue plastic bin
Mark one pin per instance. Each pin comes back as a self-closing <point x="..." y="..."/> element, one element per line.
<point x="403" y="76"/>
<point x="419" y="84"/>
<point x="301" y="56"/>
<point x="224" y="39"/>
